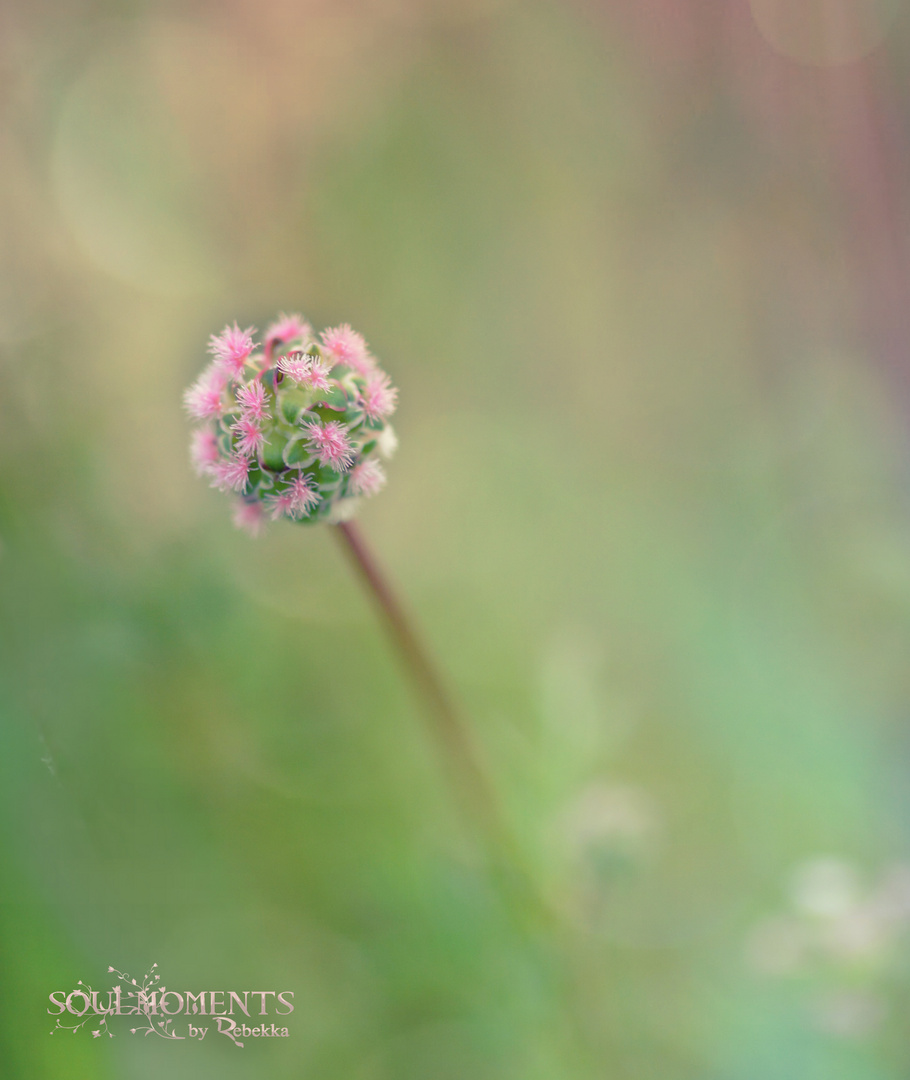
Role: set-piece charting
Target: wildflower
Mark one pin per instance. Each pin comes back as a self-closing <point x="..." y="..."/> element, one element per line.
<point x="318" y="375"/>
<point x="281" y="505"/>
<point x="252" y="399"/>
<point x="825" y="886"/>
<point x="231" y="474"/>
<point x="367" y="478"/>
<point x="294" y="501"/>
<point x="331" y="445"/>
<point x="249" y="436"/>
<point x="248" y="516"/>
<point x="297" y="428"/>
<point x="285" y="329"/>
<point x="379" y="397"/>
<point x="346" y="346"/>
<point x="204" y="399"/>
<point x="306" y="370"/>
<point x="303" y="494"/>
<point x="203" y="452"/>
<point x="231" y="348"/>
<point x="312" y="455"/>
<point x="296" y="365"/>
<point x="836" y="924"/>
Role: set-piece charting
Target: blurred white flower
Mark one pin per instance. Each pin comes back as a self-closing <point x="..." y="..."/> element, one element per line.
<point x="825" y="887"/>
<point x="622" y="816"/>
<point x="835" y="931"/>
<point x="857" y="934"/>
<point x="605" y="831"/>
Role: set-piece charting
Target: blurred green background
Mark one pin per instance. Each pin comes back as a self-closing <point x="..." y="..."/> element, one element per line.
<point x="640" y="271"/>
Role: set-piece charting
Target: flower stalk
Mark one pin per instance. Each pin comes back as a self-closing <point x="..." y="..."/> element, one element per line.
<point x="449" y="731"/>
<point x="297" y="428"/>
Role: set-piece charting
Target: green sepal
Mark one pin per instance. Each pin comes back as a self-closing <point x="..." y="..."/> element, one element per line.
<point x="336" y="400"/>
<point x="326" y="476"/>
<point x="254" y="477"/>
<point x="292" y="403"/>
<point x="327" y="412"/>
<point x="272" y="453"/>
<point x="296" y="451"/>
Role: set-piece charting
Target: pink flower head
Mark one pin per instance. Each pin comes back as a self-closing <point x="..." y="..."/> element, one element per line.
<point x="304" y="495"/>
<point x="286" y="328"/>
<point x="317" y="400"/>
<point x="296" y="365"/>
<point x="252" y="400"/>
<point x="346" y="346"/>
<point x="203" y="450"/>
<point x="231" y="348"/>
<point x="318" y="375"/>
<point x="250" y="439"/>
<point x="367" y="478"/>
<point x="379" y="397"/>
<point x="280" y="505"/>
<point x="203" y="398"/>
<point x="295" y="501"/>
<point x="231" y="474"/>
<point x="248" y="516"/>
<point x="306" y="370"/>
<point x="331" y="445"/>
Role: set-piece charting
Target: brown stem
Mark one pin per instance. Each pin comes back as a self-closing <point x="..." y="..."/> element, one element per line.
<point x="452" y="734"/>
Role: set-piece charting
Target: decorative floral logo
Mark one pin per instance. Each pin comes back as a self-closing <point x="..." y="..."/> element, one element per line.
<point x="146" y="993"/>
<point x="156" y="1007"/>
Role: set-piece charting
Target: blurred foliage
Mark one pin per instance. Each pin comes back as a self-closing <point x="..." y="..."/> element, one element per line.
<point x="640" y="272"/>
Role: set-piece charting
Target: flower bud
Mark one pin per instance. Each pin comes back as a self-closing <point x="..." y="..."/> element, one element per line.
<point x="298" y="429"/>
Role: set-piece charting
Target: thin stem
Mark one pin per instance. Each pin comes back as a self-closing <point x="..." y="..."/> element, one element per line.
<point x="451" y="733"/>
<point x="461" y="756"/>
